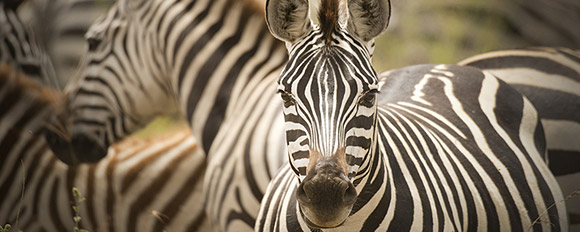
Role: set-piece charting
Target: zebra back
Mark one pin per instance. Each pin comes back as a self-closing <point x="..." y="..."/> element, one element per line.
<point x="550" y="78"/>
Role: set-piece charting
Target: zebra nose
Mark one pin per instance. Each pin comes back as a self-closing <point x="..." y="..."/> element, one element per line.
<point x="326" y="196"/>
<point x="326" y="188"/>
<point x="60" y="147"/>
<point x="87" y="150"/>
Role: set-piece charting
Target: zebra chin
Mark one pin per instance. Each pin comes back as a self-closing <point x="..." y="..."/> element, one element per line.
<point x="326" y="196"/>
<point x="79" y="149"/>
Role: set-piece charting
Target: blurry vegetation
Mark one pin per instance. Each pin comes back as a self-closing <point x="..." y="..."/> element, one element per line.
<point x="6" y="228"/>
<point x="162" y="124"/>
<point x="443" y="31"/>
<point x="447" y="31"/>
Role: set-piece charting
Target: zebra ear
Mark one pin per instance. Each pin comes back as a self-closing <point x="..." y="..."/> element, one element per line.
<point x="288" y="20"/>
<point x="368" y="18"/>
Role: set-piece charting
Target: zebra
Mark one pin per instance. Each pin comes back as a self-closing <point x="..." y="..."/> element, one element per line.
<point x="550" y="78"/>
<point x="212" y="60"/>
<point x="20" y="48"/>
<point x="422" y="148"/>
<point x="236" y="143"/>
<point x="35" y="188"/>
<point x="144" y="184"/>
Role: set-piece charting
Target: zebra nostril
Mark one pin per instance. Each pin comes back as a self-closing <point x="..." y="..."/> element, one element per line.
<point x="301" y="195"/>
<point x="349" y="196"/>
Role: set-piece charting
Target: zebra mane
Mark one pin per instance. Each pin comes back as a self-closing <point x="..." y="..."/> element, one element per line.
<point x="28" y="86"/>
<point x="328" y="16"/>
<point x="253" y="6"/>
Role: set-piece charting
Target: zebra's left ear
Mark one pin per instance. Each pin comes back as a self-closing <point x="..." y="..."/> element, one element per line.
<point x="368" y="18"/>
<point x="288" y="20"/>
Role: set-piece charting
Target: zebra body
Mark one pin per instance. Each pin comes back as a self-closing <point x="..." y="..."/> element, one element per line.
<point x="550" y="78"/>
<point x="459" y="151"/>
<point x="215" y="62"/>
<point x="423" y="148"/>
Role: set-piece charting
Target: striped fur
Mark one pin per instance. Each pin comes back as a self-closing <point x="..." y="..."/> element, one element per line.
<point x="458" y="150"/>
<point x="550" y="78"/>
<point x="35" y="188"/>
<point x="61" y="25"/>
<point x="149" y="184"/>
<point x="20" y="48"/>
<point x="217" y="61"/>
<point x="424" y="148"/>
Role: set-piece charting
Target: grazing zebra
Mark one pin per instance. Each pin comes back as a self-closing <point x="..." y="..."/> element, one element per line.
<point x="143" y="185"/>
<point x="19" y="47"/>
<point x="550" y="78"/>
<point x="215" y="62"/>
<point x="151" y="184"/>
<point x="423" y="148"/>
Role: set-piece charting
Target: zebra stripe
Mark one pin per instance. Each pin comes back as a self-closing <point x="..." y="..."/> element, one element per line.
<point x="550" y="78"/>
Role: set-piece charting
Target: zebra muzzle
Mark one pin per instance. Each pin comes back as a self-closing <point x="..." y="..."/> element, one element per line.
<point x="326" y="195"/>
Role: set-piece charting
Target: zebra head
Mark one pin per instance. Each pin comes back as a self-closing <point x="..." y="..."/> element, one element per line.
<point x="328" y="90"/>
<point x="118" y="87"/>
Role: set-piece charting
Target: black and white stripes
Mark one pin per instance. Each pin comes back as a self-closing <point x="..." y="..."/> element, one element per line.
<point x="458" y="150"/>
<point x="550" y="78"/>
<point x="20" y="48"/>
<point x="447" y="148"/>
<point x="209" y="60"/>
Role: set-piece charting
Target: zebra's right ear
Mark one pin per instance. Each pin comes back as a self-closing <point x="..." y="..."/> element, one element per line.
<point x="288" y="20"/>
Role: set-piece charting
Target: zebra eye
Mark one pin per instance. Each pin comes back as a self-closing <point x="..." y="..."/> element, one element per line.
<point x="368" y="99"/>
<point x="287" y="98"/>
<point x="93" y="43"/>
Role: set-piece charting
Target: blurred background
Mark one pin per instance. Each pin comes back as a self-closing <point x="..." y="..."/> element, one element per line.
<point x="420" y="31"/>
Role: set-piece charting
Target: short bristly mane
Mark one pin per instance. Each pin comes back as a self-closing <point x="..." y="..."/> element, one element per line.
<point x="328" y="14"/>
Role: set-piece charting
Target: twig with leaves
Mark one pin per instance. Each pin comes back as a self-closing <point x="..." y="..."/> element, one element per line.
<point x="6" y="228"/>
<point x="77" y="218"/>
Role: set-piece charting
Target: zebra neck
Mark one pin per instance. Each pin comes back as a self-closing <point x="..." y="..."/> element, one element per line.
<point x="374" y="183"/>
<point x="226" y="55"/>
<point x="25" y="107"/>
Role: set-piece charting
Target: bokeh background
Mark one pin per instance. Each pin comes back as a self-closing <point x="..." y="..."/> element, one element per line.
<point x="420" y="31"/>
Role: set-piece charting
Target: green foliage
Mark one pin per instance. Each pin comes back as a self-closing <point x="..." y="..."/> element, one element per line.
<point x="442" y="31"/>
<point x="78" y="200"/>
<point x="6" y="228"/>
